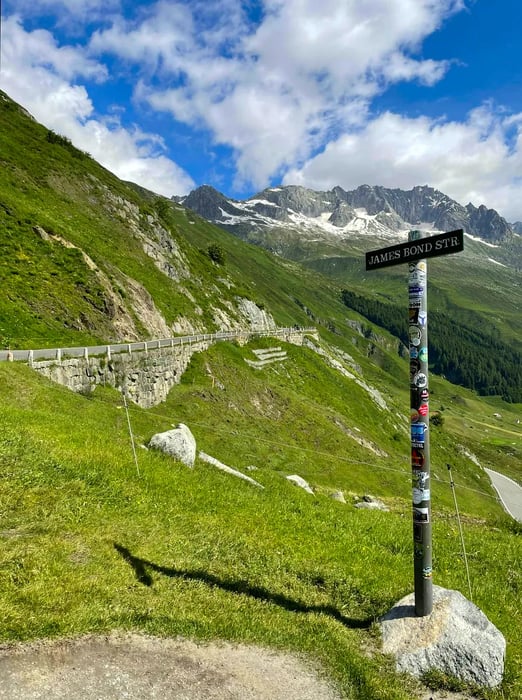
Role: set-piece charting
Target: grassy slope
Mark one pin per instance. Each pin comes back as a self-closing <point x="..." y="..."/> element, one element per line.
<point x="204" y="555"/>
<point x="248" y="564"/>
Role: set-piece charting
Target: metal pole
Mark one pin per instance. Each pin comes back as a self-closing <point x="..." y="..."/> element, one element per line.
<point x="130" y="431"/>
<point x="420" y="445"/>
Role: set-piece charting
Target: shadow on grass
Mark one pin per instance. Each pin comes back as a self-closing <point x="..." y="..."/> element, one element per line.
<point x="141" y="569"/>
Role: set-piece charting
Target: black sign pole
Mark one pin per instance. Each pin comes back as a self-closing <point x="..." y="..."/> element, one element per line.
<point x="415" y="252"/>
<point x="420" y="443"/>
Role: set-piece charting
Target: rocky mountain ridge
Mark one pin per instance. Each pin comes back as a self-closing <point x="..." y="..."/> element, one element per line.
<point x="374" y="210"/>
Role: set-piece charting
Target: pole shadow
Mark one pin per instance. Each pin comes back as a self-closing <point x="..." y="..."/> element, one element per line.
<point x="141" y="568"/>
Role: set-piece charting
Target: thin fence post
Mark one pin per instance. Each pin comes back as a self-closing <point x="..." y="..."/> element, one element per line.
<point x="452" y="484"/>
<point x="130" y="432"/>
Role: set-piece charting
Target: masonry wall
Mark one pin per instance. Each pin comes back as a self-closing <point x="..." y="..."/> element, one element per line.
<point x="147" y="377"/>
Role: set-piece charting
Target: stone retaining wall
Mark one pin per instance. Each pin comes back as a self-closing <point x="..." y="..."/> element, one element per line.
<point x="147" y="377"/>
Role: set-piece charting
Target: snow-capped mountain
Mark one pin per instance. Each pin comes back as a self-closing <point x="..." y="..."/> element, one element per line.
<point x="375" y="211"/>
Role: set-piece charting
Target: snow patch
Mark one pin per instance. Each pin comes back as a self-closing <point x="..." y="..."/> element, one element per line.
<point x="480" y="240"/>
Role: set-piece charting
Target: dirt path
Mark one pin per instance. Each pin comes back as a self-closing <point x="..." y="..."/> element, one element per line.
<point x="132" y="666"/>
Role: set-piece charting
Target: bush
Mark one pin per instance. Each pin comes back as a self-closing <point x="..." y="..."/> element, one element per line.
<point x="216" y="253"/>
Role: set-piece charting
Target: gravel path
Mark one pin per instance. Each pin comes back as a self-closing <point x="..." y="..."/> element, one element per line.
<point x="133" y="666"/>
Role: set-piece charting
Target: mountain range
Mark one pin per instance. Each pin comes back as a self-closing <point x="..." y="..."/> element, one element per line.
<point x="375" y="210"/>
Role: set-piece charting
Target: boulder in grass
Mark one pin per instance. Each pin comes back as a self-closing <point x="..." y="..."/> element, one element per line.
<point x="299" y="481"/>
<point x="178" y="443"/>
<point x="456" y="639"/>
<point x="371" y="503"/>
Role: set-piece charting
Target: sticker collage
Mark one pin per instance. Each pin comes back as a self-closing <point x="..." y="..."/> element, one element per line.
<point x="419" y="418"/>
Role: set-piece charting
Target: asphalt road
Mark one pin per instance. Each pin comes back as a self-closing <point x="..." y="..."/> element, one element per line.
<point x="510" y="493"/>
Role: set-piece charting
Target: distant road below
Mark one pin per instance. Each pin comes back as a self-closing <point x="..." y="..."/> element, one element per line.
<point x="510" y="493"/>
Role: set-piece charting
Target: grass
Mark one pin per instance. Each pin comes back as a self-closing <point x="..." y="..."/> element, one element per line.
<point x="88" y="546"/>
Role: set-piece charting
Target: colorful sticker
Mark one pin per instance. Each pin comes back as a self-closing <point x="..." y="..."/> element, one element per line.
<point x="414" y="353"/>
<point x="415" y="335"/>
<point x="425" y="395"/>
<point x="420" y="380"/>
<point x="423" y="354"/>
<point x="427" y="572"/>
<point x="417" y="457"/>
<point x="421" y="515"/>
<point x="413" y="315"/>
<point x="415" y="290"/>
<point x="424" y="409"/>
<point x="414" y="416"/>
<point x="418" y="431"/>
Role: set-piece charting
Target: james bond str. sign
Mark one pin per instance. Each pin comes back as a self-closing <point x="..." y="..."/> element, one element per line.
<point x="441" y="244"/>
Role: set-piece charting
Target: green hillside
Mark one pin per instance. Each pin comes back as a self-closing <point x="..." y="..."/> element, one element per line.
<point x="88" y="544"/>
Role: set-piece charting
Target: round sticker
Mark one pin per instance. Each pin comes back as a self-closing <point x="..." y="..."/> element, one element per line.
<point x="423" y="409"/>
<point x="414" y="353"/>
<point x="425" y="394"/>
<point x="414" y="416"/>
<point x="415" y="335"/>
<point x="420" y="380"/>
<point x="423" y="354"/>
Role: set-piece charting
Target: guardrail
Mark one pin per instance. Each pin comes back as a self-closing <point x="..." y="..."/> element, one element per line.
<point x="35" y="355"/>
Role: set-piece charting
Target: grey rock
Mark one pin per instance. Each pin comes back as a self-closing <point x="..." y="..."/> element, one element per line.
<point x="338" y="496"/>
<point x="302" y="483"/>
<point x="228" y="470"/>
<point x="178" y="443"/>
<point x="371" y="503"/>
<point x="456" y="639"/>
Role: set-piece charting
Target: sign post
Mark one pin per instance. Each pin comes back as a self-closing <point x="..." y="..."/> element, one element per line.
<point x="415" y="252"/>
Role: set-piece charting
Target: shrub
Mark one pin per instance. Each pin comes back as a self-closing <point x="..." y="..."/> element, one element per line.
<point x="216" y="253"/>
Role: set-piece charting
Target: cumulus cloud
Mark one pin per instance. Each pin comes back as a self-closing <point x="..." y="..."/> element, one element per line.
<point x="48" y="92"/>
<point x="470" y="161"/>
<point x="288" y="87"/>
<point x="276" y="90"/>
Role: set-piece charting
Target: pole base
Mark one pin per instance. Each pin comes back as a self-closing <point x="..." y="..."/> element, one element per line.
<point x="456" y="638"/>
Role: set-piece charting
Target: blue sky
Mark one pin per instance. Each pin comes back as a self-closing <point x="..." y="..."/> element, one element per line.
<point x="244" y="94"/>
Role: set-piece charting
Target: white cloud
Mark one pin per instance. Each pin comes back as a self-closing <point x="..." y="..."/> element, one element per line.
<point x="290" y="93"/>
<point x="46" y="91"/>
<point x="469" y="161"/>
<point x="275" y="92"/>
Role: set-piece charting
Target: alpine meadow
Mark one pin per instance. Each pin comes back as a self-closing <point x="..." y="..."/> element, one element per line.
<point x="94" y="537"/>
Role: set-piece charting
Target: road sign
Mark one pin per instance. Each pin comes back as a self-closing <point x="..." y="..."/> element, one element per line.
<point x="441" y="244"/>
<point x="415" y="252"/>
